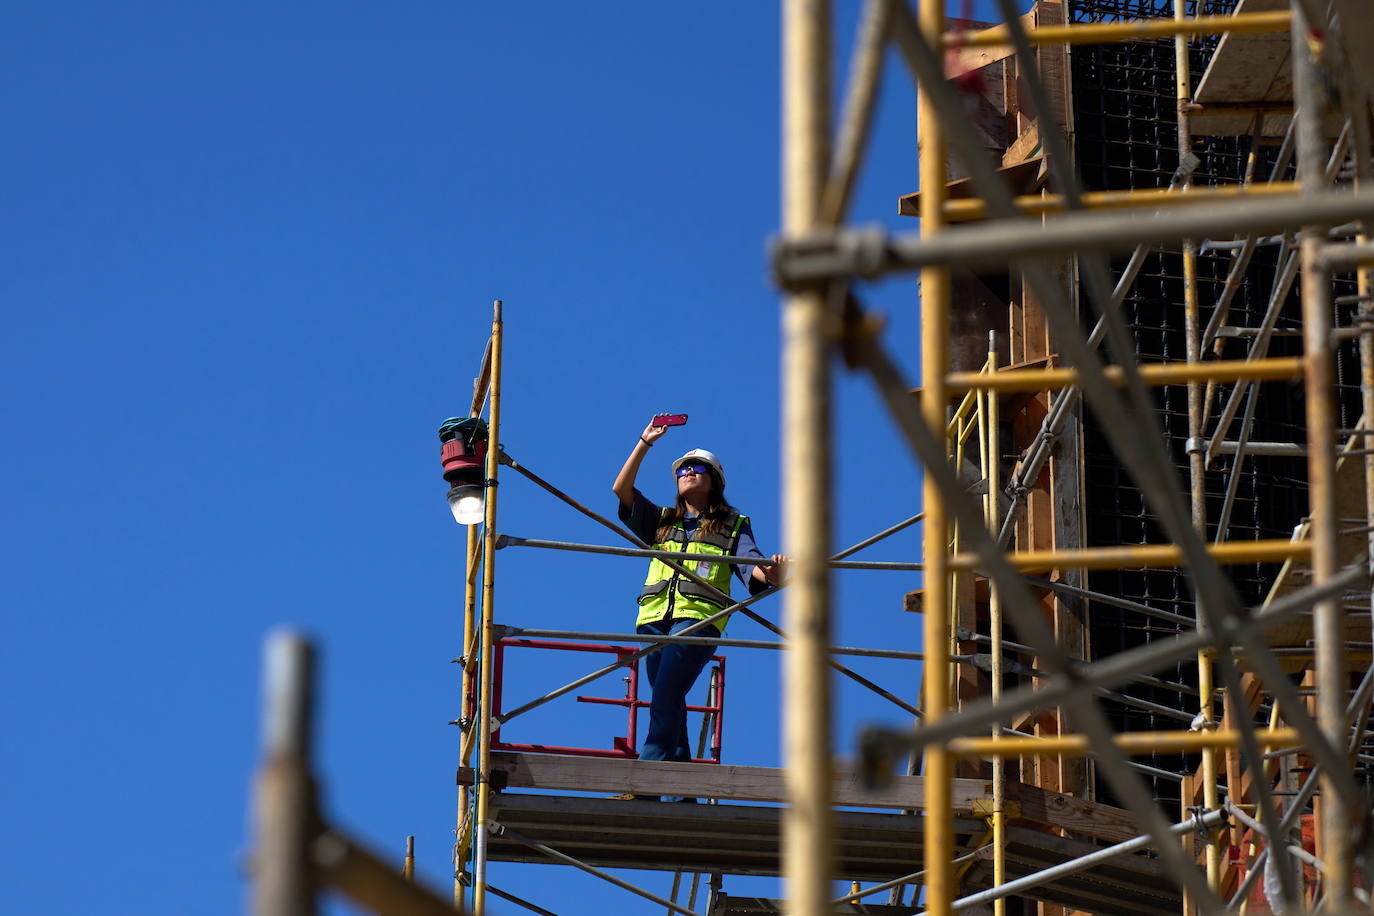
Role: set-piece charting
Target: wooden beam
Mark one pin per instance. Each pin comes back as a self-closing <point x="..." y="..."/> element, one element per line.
<point x="1024" y="149"/>
<point x="556" y="772"/>
<point x="1076" y="815"/>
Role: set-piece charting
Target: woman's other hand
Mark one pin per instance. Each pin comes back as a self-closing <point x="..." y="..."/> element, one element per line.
<point x="774" y="575"/>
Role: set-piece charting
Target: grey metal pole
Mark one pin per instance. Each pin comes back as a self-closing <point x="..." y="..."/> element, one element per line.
<point x="510" y="540"/>
<point x="524" y="633"/>
<point x="872" y="252"/>
<point x="898" y="882"/>
<point x="519" y="901"/>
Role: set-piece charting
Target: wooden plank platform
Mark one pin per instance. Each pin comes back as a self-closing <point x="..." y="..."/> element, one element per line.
<point x="1357" y="33"/>
<point x="555" y="772"/>
<point x="872" y="846"/>
<point x="561" y="772"/>
<point x="731" y="839"/>
<point x="1247" y="70"/>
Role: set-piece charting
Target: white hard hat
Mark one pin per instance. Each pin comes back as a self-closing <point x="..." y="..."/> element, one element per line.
<point x="700" y="454"/>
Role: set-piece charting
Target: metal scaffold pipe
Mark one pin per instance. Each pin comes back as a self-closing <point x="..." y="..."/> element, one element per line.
<point x="992" y="456"/>
<point x="1197" y="483"/>
<point x="510" y="540"/>
<point x="938" y="843"/>
<point x="831" y="254"/>
<point x="1129" y="30"/>
<point x="479" y="868"/>
<point x="283" y="804"/>
<point x="1328" y="623"/>
<point x="463" y="830"/>
<point x="1046" y="875"/>
<point x="524" y="633"/>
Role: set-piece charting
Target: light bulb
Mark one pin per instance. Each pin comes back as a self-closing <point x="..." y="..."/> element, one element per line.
<point x="466" y="504"/>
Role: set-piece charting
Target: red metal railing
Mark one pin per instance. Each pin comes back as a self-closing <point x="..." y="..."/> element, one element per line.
<point x="621" y="745"/>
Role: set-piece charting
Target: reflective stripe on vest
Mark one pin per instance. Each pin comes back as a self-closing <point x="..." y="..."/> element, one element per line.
<point x="666" y="591"/>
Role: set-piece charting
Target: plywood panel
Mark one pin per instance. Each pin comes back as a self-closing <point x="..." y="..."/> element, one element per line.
<point x="1246" y="70"/>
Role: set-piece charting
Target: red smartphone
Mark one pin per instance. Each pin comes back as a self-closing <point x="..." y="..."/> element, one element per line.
<point x="669" y="419"/>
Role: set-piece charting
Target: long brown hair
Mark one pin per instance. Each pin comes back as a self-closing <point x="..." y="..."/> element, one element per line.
<point x="712" y="519"/>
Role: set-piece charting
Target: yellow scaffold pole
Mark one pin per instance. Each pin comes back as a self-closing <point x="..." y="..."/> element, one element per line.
<point x="483" y="723"/>
<point x="808" y="834"/>
<point x="999" y="774"/>
<point x="939" y="821"/>
<point x="1197" y="460"/>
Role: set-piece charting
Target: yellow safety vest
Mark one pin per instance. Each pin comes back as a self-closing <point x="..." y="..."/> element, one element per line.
<point x="667" y="592"/>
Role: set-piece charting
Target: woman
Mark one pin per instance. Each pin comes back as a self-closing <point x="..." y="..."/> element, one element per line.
<point x="699" y="525"/>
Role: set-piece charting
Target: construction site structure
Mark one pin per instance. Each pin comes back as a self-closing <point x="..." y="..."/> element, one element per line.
<point x="1143" y="421"/>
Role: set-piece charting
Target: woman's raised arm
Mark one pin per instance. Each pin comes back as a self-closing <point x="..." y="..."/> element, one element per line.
<point x="624" y="486"/>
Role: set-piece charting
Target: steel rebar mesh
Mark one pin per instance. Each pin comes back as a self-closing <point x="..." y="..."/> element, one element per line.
<point x="1125" y="122"/>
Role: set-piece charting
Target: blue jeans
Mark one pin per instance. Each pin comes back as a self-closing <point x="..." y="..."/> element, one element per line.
<point x="672" y="670"/>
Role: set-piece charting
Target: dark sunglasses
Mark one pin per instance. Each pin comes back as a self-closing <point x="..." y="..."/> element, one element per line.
<point x="694" y="468"/>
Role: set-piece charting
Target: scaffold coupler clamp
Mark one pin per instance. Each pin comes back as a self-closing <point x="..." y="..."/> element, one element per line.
<point x="1196" y="812"/>
<point x="824" y="255"/>
<point x="1189" y="163"/>
<point x="495" y="828"/>
<point x="1196" y="445"/>
<point x="1202" y="723"/>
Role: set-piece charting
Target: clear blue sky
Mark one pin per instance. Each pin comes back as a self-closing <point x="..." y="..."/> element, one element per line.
<point x="248" y="263"/>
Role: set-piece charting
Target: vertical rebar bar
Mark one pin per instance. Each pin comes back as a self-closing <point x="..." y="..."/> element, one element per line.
<point x="807" y="825"/>
<point x="484" y="702"/>
<point x="1321" y="441"/>
<point x="283" y="804"/>
<point x="935" y="288"/>
<point x="408" y="867"/>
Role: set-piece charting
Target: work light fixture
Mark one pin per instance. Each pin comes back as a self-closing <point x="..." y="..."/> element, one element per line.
<point x="463" y="452"/>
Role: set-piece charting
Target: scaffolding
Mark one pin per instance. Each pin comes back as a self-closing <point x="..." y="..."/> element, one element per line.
<point x="1147" y="508"/>
<point x="1189" y="522"/>
<point x="699" y="841"/>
